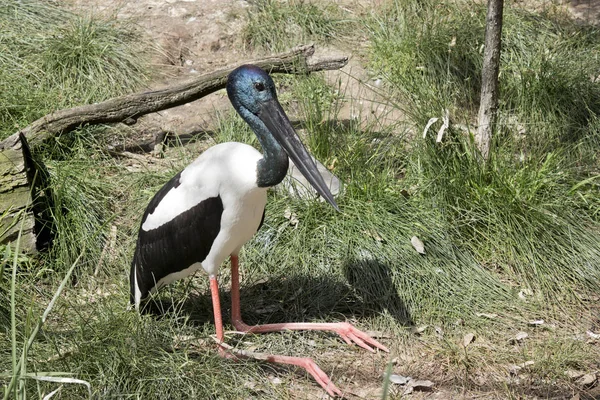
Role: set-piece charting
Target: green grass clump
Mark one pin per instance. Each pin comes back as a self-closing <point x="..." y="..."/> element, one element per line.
<point x="92" y="59"/>
<point x="523" y="220"/>
<point x="432" y="51"/>
<point x="275" y="26"/>
<point x="52" y="59"/>
<point x="531" y="212"/>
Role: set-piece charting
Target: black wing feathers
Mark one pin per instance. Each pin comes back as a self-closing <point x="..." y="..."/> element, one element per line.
<point x="177" y="244"/>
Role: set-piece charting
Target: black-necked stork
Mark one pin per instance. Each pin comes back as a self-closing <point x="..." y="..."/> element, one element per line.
<point x="208" y="211"/>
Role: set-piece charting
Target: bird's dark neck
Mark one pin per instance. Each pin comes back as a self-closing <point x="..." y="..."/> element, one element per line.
<point x="271" y="169"/>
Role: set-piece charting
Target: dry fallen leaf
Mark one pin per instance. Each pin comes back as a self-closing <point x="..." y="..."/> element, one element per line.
<point x="527" y="364"/>
<point x="288" y="214"/>
<point x="524" y="293"/>
<point x="573" y="374"/>
<point x="332" y="164"/>
<point x="488" y="316"/>
<point x="468" y="339"/>
<point x="419" y="329"/>
<point x="445" y="125"/>
<point x="587" y="380"/>
<point x="399" y="379"/>
<point x="417" y="244"/>
<point x="378" y="335"/>
<point x="429" y="123"/>
<point x="515" y="369"/>
<point x="519" y="337"/>
<point x="373" y="233"/>
<point x="593" y="335"/>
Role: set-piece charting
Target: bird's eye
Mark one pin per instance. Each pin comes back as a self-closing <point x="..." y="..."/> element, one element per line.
<point x="259" y="86"/>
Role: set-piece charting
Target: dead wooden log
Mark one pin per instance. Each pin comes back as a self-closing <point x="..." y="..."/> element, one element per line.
<point x="16" y="195"/>
<point x="15" y="198"/>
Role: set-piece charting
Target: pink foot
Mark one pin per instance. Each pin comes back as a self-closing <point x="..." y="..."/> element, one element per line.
<point x="303" y="362"/>
<point x="347" y="332"/>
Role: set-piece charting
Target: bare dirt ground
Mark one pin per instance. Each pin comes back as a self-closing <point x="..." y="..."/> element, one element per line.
<point x="197" y="36"/>
<point x="193" y="37"/>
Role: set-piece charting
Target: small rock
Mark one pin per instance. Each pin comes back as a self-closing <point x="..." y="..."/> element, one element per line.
<point x="378" y="335"/>
<point x="527" y="364"/>
<point x="275" y="380"/>
<point x="521" y="335"/>
<point x="250" y="385"/>
<point x="422" y="386"/>
<point x="297" y="185"/>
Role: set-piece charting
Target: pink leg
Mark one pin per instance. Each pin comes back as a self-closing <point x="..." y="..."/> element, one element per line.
<point x="348" y="332"/>
<point x="214" y="291"/>
<point x="302" y="362"/>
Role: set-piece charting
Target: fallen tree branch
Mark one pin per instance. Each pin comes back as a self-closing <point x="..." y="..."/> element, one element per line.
<point x="17" y="190"/>
<point x="132" y="106"/>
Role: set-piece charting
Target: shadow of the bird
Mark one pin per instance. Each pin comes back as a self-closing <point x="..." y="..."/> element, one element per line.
<point x="366" y="290"/>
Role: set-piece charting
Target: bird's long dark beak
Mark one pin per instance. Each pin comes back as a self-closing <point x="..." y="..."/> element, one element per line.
<point x="273" y="116"/>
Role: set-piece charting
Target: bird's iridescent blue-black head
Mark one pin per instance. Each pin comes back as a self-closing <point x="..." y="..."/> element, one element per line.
<point x="249" y="86"/>
<point x="252" y="93"/>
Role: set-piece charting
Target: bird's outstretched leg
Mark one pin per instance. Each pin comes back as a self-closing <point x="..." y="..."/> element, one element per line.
<point x="347" y="332"/>
<point x="214" y="292"/>
<point x="303" y="362"/>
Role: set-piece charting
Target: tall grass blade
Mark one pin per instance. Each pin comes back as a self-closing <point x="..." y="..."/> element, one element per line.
<point x="39" y="324"/>
<point x="13" y="322"/>
<point x="50" y="377"/>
